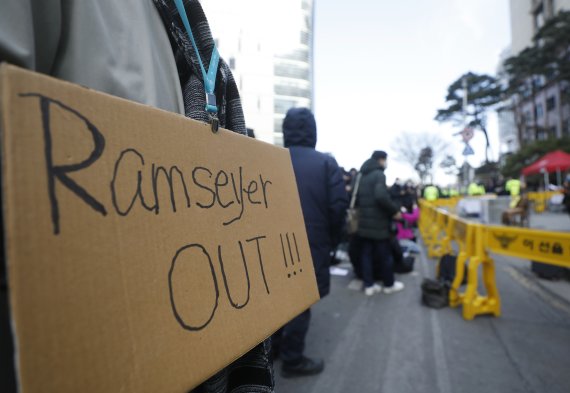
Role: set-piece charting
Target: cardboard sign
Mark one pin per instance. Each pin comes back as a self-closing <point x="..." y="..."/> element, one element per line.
<point x="144" y="252"/>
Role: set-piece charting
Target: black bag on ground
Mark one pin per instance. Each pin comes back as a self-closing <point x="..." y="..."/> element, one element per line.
<point x="549" y="272"/>
<point x="406" y="265"/>
<point x="435" y="294"/>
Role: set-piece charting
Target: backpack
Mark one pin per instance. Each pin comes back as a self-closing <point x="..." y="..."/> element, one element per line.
<point x="447" y="265"/>
<point x="447" y="268"/>
<point x="435" y="294"/>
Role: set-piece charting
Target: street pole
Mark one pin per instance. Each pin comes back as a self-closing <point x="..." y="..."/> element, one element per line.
<point x="464" y="110"/>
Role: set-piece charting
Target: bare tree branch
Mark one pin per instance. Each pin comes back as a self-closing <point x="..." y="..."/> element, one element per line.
<point x="422" y="151"/>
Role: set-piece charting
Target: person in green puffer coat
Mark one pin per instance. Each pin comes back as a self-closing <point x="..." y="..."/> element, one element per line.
<point x="376" y="211"/>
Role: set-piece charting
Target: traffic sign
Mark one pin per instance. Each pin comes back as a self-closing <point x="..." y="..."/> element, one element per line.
<point x="468" y="151"/>
<point x="467" y="134"/>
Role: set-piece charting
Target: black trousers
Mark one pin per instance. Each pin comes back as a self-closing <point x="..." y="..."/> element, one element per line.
<point x="7" y="372"/>
<point x="289" y="341"/>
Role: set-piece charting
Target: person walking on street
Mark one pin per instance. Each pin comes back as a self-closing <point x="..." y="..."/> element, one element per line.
<point x="377" y="211"/>
<point x="324" y="202"/>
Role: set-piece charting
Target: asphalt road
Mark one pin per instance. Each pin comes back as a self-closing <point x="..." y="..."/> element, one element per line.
<point x="392" y="344"/>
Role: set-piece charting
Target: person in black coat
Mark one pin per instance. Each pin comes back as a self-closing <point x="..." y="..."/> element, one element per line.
<point x="324" y="202"/>
<point x="377" y="210"/>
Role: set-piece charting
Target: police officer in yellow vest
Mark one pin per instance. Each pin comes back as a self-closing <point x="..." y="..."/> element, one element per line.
<point x="473" y="189"/>
<point x="431" y="193"/>
<point x="513" y="186"/>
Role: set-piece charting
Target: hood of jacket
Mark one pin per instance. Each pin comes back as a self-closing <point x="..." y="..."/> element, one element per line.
<point x="369" y="166"/>
<point x="299" y="128"/>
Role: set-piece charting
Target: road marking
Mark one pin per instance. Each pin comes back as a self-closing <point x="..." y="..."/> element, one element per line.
<point x="441" y="370"/>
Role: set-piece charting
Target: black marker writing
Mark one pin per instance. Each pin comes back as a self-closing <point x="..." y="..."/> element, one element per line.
<point x="60" y="171"/>
<point x="171" y="276"/>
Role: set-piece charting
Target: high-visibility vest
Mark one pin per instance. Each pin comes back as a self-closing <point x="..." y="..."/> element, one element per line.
<point x="513" y="186"/>
<point x="431" y="193"/>
<point x="473" y="189"/>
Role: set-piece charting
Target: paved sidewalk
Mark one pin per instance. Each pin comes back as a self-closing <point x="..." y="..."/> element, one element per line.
<point x="549" y="221"/>
<point x="559" y="222"/>
<point x="392" y="344"/>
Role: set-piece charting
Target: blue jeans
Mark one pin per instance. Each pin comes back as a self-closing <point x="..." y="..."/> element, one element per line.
<point x="376" y="251"/>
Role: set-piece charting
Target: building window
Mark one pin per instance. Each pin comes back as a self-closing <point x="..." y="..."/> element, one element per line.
<point x="539" y="111"/>
<point x="539" y="17"/>
<point x="526" y="117"/>
<point x="566" y="128"/>
<point x="552" y="132"/>
<point x="299" y="54"/>
<point x="550" y="103"/>
<point x="282" y="105"/>
<point x="278" y="124"/>
<point x="307" y="22"/>
<point x="304" y="38"/>
<point x="293" y="91"/>
<point x="291" y="71"/>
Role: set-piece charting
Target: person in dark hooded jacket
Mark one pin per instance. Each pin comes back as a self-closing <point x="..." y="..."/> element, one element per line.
<point x="376" y="212"/>
<point x="324" y="202"/>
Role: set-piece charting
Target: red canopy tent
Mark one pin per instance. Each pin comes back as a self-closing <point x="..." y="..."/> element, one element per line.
<point x="555" y="161"/>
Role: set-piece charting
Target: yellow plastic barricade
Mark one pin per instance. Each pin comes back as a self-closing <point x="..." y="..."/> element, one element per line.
<point x="469" y="237"/>
<point x="475" y="241"/>
<point x="432" y="225"/>
<point x="440" y="228"/>
<point x="426" y="220"/>
<point x="543" y="246"/>
<point x="438" y="233"/>
<point x="446" y="202"/>
<point x="540" y="199"/>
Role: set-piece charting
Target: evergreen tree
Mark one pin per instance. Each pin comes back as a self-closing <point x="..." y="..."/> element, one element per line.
<point x="484" y="92"/>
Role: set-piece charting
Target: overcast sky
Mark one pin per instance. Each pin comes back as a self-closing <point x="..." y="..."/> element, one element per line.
<point x="382" y="67"/>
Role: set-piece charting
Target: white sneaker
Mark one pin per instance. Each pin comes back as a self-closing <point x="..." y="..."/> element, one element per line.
<point x="398" y="286"/>
<point x="369" y="291"/>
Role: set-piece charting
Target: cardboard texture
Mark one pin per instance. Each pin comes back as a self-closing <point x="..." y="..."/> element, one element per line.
<point x="144" y="252"/>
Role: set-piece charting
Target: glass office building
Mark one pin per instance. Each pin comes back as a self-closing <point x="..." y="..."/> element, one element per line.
<point x="269" y="46"/>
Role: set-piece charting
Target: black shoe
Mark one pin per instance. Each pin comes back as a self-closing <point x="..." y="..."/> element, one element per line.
<point x="306" y="366"/>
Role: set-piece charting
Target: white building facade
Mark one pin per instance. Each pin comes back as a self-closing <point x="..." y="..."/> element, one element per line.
<point x="269" y="47"/>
